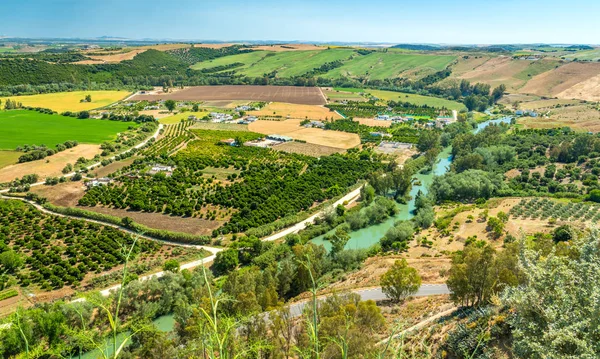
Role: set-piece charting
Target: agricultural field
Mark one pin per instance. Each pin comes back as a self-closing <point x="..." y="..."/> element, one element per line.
<point x="8" y="158"/>
<point x="288" y="94"/>
<point x="285" y="64"/>
<point x="389" y="65"/>
<point x="21" y="127"/>
<point x="414" y="99"/>
<point x="52" y="252"/>
<point x="565" y="81"/>
<point x="292" y="128"/>
<point x="586" y="55"/>
<point x="177" y="118"/>
<point x="289" y="111"/>
<point x="103" y="57"/>
<point x="340" y="94"/>
<point x="268" y="181"/>
<point x="71" y="101"/>
<point x="50" y="166"/>
<point x="550" y="210"/>
<point x="173" y="138"/>
<point x="308" y="149"/>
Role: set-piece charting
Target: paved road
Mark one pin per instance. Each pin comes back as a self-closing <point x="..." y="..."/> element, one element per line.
<point x="350" y="197"/>
<point x="94" y="165"/>
<point x="376" y="294"/>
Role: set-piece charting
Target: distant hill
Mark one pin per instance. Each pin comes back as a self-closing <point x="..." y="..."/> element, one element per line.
<point x="416" y="47"/>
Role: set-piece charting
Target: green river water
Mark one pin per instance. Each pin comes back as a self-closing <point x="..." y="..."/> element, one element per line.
<point x="363" y="238"/>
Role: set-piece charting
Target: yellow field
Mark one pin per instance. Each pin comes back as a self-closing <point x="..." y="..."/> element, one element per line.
<point x="181" y="116"/>
<point x="317" y="136"/>
<point x="50" y="166"/>
<point x="288" y="110"/>
<point x="9" y="158"/>
<point x="70" y="101"/>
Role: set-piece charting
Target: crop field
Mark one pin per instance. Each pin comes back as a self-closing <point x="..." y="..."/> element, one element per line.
<point x="309" y="149"/>
<point x="545" y="209"/>
<point x="287" y="110"/>
<point x="8" y="158"/>
<point x="340" y="94"/>
<point x="71" y="101"/>
<point x="285" y="63"/>
<point x="317" y="136"/>
<point x="173" y="138"/>
<point x="219" y="126"/>
<point x="384" y="65"/>
<point x="587" y="55"/>
<point x="50" y="166"/>
<point x="289" y="94"/>
<point x="414" y="99"/>
<point x="21" y="127"/>
<point x="174" y="119"/>
<point x="127" y="54"/>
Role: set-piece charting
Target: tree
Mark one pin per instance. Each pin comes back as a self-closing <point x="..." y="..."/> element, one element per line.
<point x="170" y="105"/>
<point x="554" y="312"/>
<point x="398" y="236"/>
<point x="496" y="226"/>
<point x="10" y="261"/>
<point x="195" y="107"/>
<point x="171" y="265"/>
<point x="88" y="98"/>
<point x="563" y="233"/>
<point x="498" y="93"/>
<point x="400" y="281"/>
<point x="225" y="261"/>
<point x="367" y="194"/>
<point x="428" y="140"/>
<point x="338" y="240"/>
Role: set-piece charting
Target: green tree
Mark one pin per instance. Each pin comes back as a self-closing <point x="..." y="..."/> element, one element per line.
<point x="225" y="261"/>
<point x="195" y="107"/>
<point x="400" y="281"/>
<point x="170" y="105"/>
<point x="10" y="261"/>
<point x="338" y="240"/>
<point x="171" y="265"/>
<point x="428" y="140"/>
<point x="88" y="98"/>
<point x="496" y="226"/>
<point x="563" y="233"/>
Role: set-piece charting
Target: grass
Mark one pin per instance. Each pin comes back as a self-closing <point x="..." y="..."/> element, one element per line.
<point x="384" y="65"/>
<point x="412" y="98"/>
<point x="20" y="127"/>
<point x="181" y="116"/>
<point x="8" y="158"/>
<point x="70" y="101"/>
<point x="286" y="63"/>
<point x="588" y="55"/>
<point x="536" y="68"/>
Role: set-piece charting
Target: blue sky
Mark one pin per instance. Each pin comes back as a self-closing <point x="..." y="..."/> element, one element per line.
<point x="395" y="21"/>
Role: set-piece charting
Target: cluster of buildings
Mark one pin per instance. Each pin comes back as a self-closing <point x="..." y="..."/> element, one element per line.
<point x="269" y="141"/>
<point x="315" y="124"/>
<point x="97" y="182"/>
<point x="526" y="113"/>
<point x="158" y="168"/>
<point x="220" y="117"/>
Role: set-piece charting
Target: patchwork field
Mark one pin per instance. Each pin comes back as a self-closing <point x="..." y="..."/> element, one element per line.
<point x="287" y="110"/>
<point x="21" y="127"/>
<point x="50" y="166"/>
<point x="383" y="65"/>
<point x="126" y="54"/>
<point x="285" y="63"/>
<point x="289" y="94"/>
<point x="71" y="101"/>
<point x="317" y="136"/>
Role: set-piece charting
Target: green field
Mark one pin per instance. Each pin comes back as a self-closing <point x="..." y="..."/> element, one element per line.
<point x="588" y="55"/>
<point x="536" y="68"/>
<point x="384" y="65"/>
<point x="412" y="98"/>
<point x="286" y="63"/>
<point x="9" y="158"/>
<point x="20" y="127"/>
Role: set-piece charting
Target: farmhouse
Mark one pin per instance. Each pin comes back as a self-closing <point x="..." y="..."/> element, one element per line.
<point x="220" y="117"/>
<point x="243" y="108"/>
<point x="96" y="182"/>
<point x="381" y="134"/>
<point x="280" y="138"/>
<point x="158" y="168"/>
<point x="382" y="117"/>
<point x="441" y="122"/>
<point x="315" y="124"/>
<point x="229" y="141"/>
<point x="192" y="118"/>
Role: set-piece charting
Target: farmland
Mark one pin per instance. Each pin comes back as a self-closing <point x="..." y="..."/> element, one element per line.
<point x="415" y="99"/>
<point x="8" y="158"/>
<point x="285" y="110"/>
<point x="71" y="101"/>
<point x="285" y="64"/>
<point x="20" y="127"/>
<point x="174" y="119"/>
<point x="386" y="65"/>
<point x="317" y="136"/>
<point x="289" y="94"/>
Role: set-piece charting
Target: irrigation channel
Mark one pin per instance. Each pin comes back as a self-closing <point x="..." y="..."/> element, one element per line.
<point x="363" y="238"/>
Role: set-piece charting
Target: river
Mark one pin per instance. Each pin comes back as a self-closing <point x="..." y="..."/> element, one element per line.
<point x="363" y="238"/>
<point x="366" y="237"/>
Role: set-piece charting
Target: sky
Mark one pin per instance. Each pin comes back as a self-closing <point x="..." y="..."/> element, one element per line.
<point x="386" y="21"/>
